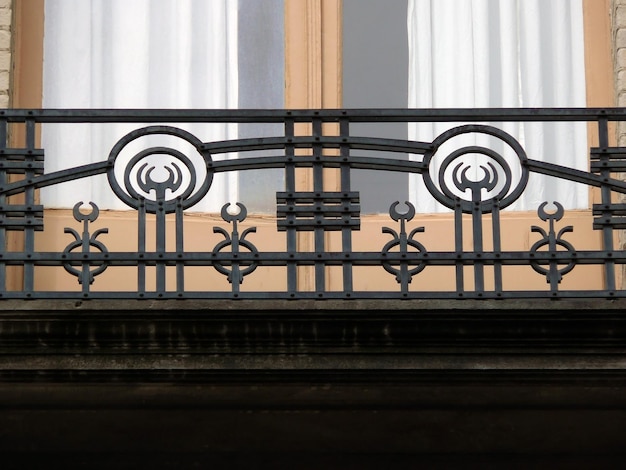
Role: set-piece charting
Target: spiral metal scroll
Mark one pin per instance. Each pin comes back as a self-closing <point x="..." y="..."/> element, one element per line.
<point x="494" y="185"/>
<point x="141" y="186"/>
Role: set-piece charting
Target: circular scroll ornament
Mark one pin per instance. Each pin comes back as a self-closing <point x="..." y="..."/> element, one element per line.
<point x="142" y="187"/>
<point x="494" y="185"/>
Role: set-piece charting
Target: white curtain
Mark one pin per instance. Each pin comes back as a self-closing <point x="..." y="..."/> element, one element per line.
<point x="134" y="54"/>
<point x="502" y="53"/>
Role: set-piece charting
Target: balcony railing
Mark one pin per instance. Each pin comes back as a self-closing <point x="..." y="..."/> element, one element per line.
<point x="161" y="262"/>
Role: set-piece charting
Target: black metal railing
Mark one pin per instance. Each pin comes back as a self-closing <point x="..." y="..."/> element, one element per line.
<point x="160" y="268"/>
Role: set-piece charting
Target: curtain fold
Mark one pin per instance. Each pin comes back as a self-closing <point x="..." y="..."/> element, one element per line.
<point x="502" y="53"/>
<point x="135" y="54"/>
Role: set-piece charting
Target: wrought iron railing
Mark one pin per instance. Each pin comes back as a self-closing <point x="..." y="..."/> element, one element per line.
<point x="159" y="203"/>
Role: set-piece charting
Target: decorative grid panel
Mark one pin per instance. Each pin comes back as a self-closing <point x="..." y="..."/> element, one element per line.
<point x="476" y="183"/>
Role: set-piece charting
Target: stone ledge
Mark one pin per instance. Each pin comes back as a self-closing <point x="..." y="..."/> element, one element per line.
<point x="213" y="341"/>
<point x="532" y="306"/>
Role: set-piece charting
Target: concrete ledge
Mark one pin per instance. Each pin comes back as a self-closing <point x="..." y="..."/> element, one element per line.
<point x="535" y="306"/>
<point x="219" y="340"/>
<point x="313" y="384"/>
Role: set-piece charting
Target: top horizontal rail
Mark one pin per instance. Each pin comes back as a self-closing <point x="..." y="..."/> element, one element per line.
<point x="279" y="115"/>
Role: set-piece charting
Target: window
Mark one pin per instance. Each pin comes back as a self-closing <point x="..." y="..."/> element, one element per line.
<point x="470" y="54"/>
<point x="310" y="78"/>
<point x="510" y="53"/>
<point x="159" y="54"/>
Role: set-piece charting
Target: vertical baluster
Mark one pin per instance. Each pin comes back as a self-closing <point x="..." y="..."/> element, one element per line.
<point x="180" y="265"/>
<point x="346" y="231"/>
<point x="477" y="235"/>
<point x="141" y="248"/>
<point x="29" y="195"/>
<point x="605" y="190"/>
<point x="290" y="187"/>
<point x="318" y="188"/>
<point x="458" y="246"/>
<point x="497" y="247"/>
<point x="160" y="247"/>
